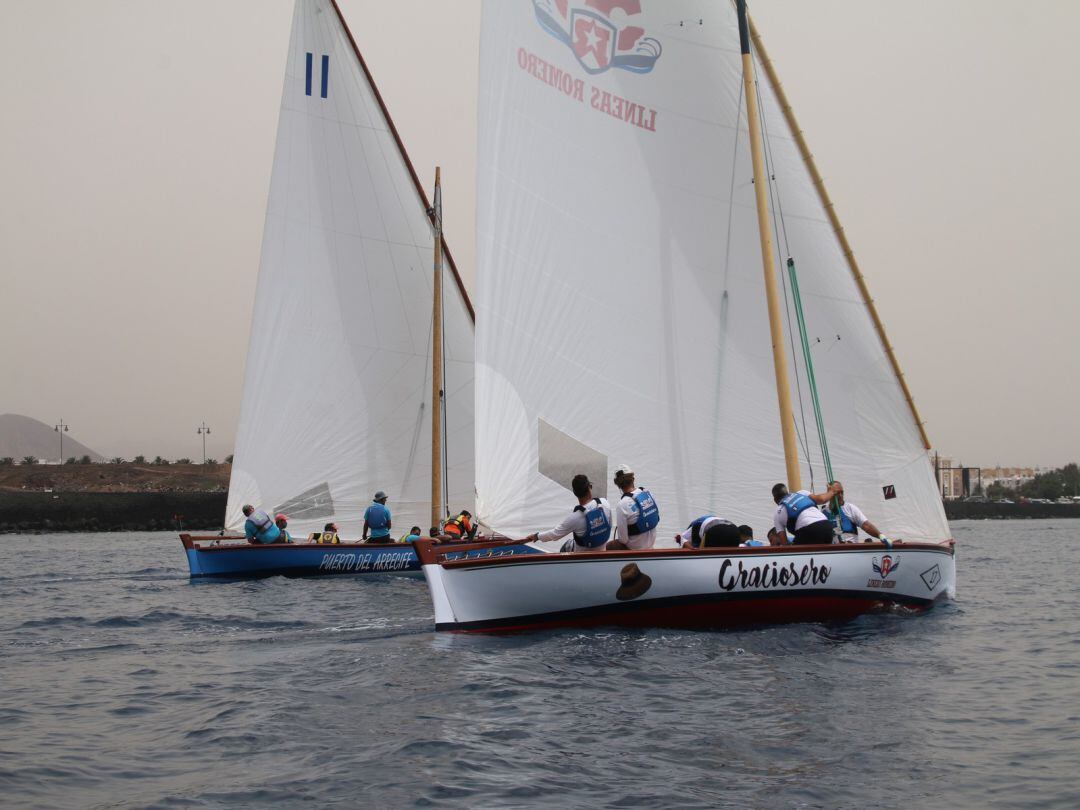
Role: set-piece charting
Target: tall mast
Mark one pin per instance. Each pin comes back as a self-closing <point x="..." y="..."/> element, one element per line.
<point x="834" y="221"/>
<point x="437" y="362"/>
<point x="761" y="190"/>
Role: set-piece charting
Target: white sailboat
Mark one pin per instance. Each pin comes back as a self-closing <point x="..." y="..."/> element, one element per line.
<point x="623" y="318"/>
<point x="338" y="393"/>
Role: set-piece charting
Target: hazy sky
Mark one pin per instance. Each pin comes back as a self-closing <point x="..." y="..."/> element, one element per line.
<point x="137" y="137"/>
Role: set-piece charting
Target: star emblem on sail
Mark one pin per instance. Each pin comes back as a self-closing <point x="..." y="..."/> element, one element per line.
<point x="597" y="40"/>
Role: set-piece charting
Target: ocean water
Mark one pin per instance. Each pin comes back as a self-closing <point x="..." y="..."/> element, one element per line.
<point x="126" y="685"/>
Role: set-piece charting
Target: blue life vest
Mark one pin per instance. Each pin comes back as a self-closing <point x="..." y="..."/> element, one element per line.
<point x="795" y="504"/>
<point x="647" y="511"/>
<point x="597" y="525"/>
<point x="847" y="525"/>
<point x="378" y="519"/>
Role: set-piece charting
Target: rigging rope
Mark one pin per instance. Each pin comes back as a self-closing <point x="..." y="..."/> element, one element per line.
<point x="810" y="369"/>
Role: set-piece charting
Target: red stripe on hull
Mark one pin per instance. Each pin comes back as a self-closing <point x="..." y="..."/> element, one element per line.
<point x="705" y="615"/>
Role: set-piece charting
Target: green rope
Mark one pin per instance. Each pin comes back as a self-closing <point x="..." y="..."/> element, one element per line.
<point x="812" y="379"/>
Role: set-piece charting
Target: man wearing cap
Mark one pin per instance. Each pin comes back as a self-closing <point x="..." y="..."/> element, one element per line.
<point x="636" y="514"/>
<point x="797" y="513"/>
<point x="590" y="521"/>
<point x="851" y="519"/>
<point x="259" y="526"/>
<point x="709" y="531"/>
<point x="377" y="521"/>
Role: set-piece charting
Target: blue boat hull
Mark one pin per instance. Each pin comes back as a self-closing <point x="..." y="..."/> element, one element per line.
<point x="232" y="558"/>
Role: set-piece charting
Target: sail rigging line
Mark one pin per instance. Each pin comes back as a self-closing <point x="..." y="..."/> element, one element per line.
<point x="403" y="153"/>
<point x="805" y="339"/>
<point x="834" y="220"/>
<point x="780" y="225"/>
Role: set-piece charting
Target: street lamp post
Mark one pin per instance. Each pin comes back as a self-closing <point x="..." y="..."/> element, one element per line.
<point x="61" y="429"/>
<point x="204" y="431"/>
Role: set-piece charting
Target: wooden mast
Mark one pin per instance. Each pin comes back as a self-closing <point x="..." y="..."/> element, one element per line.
<point x="768" y="260"/>
<point x="834" y="220"/>
<point x="436" y="362"/>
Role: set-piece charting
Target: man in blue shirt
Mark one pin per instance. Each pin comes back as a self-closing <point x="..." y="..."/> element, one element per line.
<point x="259" y="526"/>
<point x="377" y="521"/>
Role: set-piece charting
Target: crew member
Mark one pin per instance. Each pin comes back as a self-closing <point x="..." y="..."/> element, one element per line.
<point x="377" y="520"/>
<point x="851" y="519"/>
<point x="636" y="514"/>
<point x="709" y="531"/>
<point x="590" y="521"/>
<point x="414" y="534"/>
<point x="798" y="513"/>
<point x="282" y="522"/>
<point x="259" y="527"/>
<point x="746" y="538"/>
<point x="460" y="527"/>
<point x="781" y="538"/>
<point x="329" y="534"/>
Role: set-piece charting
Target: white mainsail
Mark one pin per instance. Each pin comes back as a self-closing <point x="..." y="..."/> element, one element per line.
<point x="622" y="315"/>
<point x="337" y="386"/>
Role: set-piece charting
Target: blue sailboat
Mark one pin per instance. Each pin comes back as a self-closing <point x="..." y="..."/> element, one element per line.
<point x="358" y="368"/>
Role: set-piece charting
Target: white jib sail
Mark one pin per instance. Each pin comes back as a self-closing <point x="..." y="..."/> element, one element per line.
<point x="337" y="387"/>
<point x="622" y="314"/>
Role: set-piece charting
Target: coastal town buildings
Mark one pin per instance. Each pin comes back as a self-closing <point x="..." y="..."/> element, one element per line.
<point x="955" y="480"/>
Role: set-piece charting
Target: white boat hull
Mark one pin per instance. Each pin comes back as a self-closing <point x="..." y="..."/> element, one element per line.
<point x="710" y="588"/>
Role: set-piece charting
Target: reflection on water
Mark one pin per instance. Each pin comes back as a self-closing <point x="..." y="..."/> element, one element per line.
<point x="128" y="687"/>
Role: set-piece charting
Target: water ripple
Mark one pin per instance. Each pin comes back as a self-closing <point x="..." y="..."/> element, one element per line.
<point x="126" y="686"/>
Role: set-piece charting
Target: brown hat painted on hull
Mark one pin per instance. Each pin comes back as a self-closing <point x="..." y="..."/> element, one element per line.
<point x="634" y="583"/>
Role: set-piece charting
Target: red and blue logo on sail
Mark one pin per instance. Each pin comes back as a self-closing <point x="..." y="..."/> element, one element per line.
<point x="598" y="41"/>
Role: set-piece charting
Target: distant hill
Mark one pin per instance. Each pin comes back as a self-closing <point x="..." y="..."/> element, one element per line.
<point x="22" y="436"/>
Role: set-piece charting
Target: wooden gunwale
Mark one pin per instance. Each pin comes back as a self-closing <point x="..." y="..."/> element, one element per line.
<point x="675" y="553"/>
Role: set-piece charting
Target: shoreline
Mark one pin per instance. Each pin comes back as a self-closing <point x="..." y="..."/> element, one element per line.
<point x="48" y="512"/>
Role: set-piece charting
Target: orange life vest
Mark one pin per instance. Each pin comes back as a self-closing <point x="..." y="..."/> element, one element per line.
<point x="458" y="527"/>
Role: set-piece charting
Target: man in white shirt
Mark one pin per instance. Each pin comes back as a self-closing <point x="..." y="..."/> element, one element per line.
<point x="797" y="513"/>
<point x="636" y="514"/>
<point x="851" y="519"/>
<point x="590" y="521"/>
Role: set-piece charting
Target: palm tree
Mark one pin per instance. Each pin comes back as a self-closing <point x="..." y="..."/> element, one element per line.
<point x="139" y="460"/>
<point x="211" y="462"/>
<point x="116" y="460"/>
<point x="159" y="461"/>
<point x="6" y="461"/>
<point x="29" y="460"/>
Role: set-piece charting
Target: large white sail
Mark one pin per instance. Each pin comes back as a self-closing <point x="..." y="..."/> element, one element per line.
<point x="622" y="315"/>
<point x="337" y="386"/>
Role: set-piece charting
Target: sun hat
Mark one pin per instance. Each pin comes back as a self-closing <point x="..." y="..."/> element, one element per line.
<point x="634" y="583"/>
